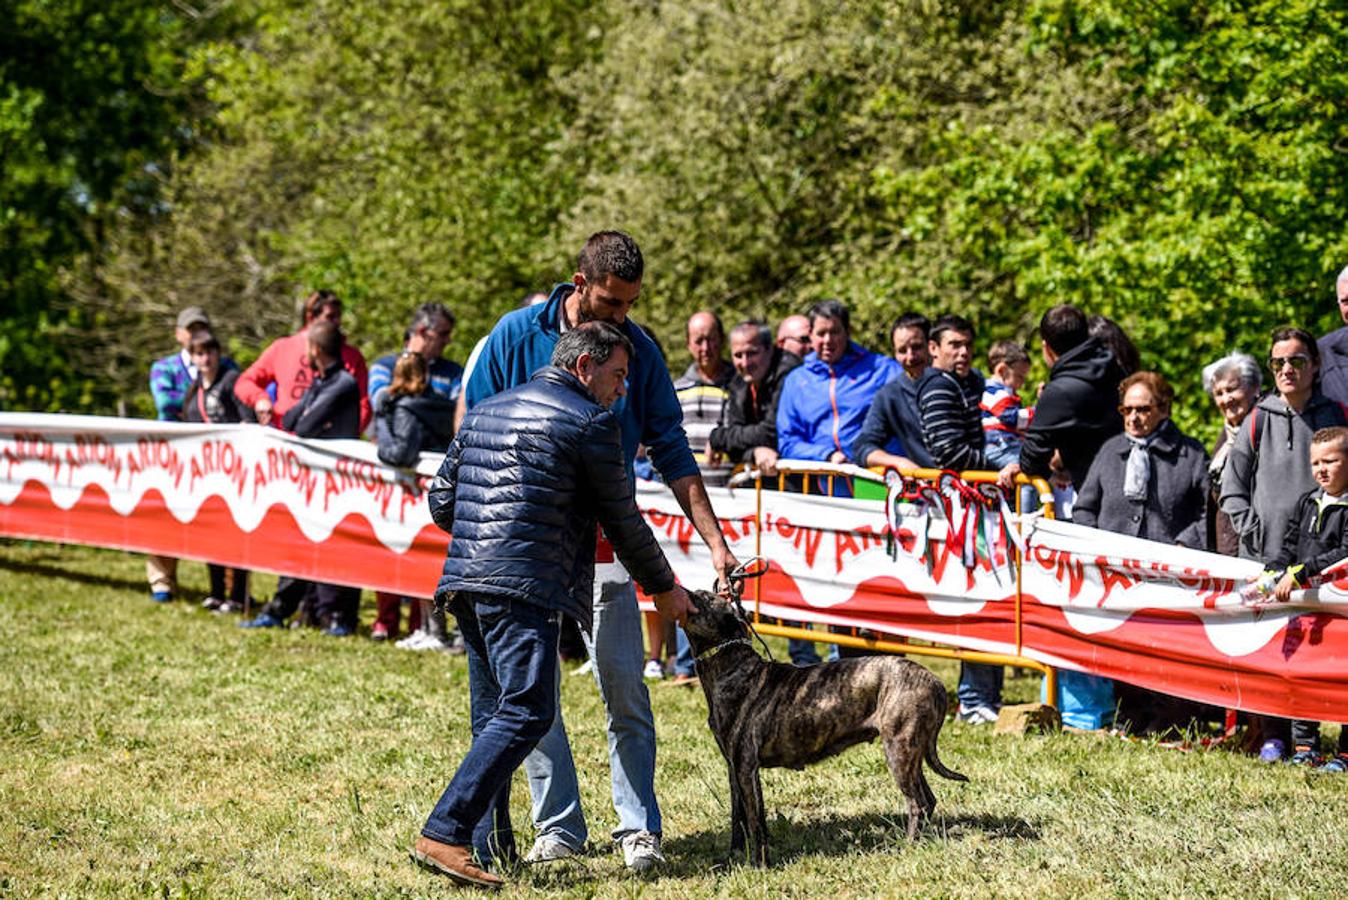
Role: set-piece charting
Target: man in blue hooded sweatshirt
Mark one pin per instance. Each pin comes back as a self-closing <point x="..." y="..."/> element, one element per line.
<point x="604" y="288"/>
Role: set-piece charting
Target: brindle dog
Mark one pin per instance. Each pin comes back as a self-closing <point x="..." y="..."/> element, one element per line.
<point x="769" y="714"/>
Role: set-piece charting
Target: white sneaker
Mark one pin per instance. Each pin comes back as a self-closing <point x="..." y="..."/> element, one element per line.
<point x="977" y="715"/>
<point x="413" y="641"/>
<point x="653" y="671"/>
<point x="641" y="851"/>
<point x="546" y="849"/>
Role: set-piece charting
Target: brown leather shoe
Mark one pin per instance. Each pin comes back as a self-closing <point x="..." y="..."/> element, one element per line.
<point x="455" y="861"/>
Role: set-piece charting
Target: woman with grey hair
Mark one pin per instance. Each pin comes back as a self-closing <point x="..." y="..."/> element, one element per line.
<point x="1233" y="382"/>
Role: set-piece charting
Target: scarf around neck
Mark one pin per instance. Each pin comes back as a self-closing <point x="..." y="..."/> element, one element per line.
<point x="1138" y="471"/>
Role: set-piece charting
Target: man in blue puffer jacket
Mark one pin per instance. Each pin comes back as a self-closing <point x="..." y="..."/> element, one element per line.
<point x="520" y="491"/>
<point x="604" y="287"/>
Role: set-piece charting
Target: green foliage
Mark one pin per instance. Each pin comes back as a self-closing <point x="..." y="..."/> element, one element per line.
<point x="93" y="101"/>
<point x="1177" y="167"/>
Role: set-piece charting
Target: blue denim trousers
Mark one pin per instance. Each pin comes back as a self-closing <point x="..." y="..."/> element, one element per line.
<point x="618" y="654"/>
<point x="980" y="685"/>
<point x="512" y="678"/>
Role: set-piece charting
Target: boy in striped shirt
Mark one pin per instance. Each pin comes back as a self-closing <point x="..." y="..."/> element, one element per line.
<point x="1004" y="417"/>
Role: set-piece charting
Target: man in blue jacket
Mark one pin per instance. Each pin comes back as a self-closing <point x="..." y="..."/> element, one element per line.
<point x="824" y="401"/>
<point x="520" y="491"/>
<point x="604" y="288"/>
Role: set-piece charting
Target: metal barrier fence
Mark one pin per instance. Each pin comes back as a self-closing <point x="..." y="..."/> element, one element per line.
<point x="788" y="471"/>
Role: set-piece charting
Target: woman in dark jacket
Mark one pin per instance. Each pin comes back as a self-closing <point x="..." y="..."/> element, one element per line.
<point x="1151" y="481"/>
<point x="412" y="419"/>
<point x="1233" y="382"/>
<point x="211" y="399"/>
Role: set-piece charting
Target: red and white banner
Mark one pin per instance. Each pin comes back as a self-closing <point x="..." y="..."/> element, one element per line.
<point x="1147" y="613"/>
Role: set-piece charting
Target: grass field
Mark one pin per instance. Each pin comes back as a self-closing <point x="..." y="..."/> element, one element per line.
<point x="159" y="750"/>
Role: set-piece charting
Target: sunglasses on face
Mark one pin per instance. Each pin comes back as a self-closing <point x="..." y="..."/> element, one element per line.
<point x="1143" y="410"/>
<point x="1297" y="361"/>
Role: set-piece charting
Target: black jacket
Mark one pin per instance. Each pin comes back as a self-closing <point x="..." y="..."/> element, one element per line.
<point x="1175" y="510"/>
<point x="749" y="416"/>
<point x="1077" y="412"/>
<point x="330" y="408"/>
<point x="407" y="426"/>
<point x="525" y="481"/>
<point x="222" y="407"/>
<point x="1315" y="539"/>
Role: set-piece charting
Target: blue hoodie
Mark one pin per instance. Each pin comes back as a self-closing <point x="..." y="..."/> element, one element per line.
<point x="822" y="407"/>
<point x="522" y="343"/>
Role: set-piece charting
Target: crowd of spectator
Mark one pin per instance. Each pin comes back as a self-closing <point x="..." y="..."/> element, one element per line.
<point x="1099" y="428"/>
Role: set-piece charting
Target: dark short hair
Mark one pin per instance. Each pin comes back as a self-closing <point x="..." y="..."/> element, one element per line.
<point x="427" y="314"/>
<point x="911" y="320"/>
<point x="610" y="253"/>
<point x="830" y="309"/>
<point x="597" y="339"/>
<point x="1009" y="352"/>
<point x="1063" y="328"/>
<point x="327" y="337"/>
<point x="318" y="300"/>
<point x="203" y="339"/>
<point x="950" y="322"/>
<point x="1292" y="333"/>
<point x="756" y="331"/>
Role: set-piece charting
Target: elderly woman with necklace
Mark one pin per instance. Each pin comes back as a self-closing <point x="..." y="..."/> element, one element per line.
<point x="1151" y="481"/>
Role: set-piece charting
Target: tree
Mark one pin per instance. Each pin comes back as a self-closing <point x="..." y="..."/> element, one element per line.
<point x="94" y="100"/>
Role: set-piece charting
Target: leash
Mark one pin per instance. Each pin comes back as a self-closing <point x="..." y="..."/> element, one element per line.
<point x="753" y="567"/>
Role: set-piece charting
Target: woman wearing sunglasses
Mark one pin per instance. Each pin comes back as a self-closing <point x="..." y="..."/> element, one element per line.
<point x="1150" y="481"/>
<point x="1268" y="468"/>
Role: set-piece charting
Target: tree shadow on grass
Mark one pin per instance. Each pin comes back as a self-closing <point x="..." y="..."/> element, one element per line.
<point x="55" y="570"/>
<point x="839" y="835"/>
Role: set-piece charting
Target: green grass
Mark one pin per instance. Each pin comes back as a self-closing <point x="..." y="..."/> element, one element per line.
<point x="159" y="750"/>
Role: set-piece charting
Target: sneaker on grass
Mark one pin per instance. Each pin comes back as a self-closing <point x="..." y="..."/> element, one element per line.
<point x="1272" y="751"/>
<point x="546" y="849"/>
<point x="641" y="851"/>
<point x="1337" y="765"/>
<point x="1305" y="757"/>
<point x="379" y="632"/>
<point x="161" y="596"/>
<point x="977" y="715"/>
<point x="212" y="603"/>
<point x="262" y="621"/>
<point x="653" y="671"/>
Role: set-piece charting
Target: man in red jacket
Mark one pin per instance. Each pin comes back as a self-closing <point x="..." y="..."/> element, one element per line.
<point x="286" y="364"/>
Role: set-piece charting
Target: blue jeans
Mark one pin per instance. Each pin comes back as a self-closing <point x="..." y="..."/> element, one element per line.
<point x="980" y="685"/>
<point x="683" y="662"/>
<point x="617" y="652"/>
<point x="512" y="679"/>
<point x="802" y="652"/>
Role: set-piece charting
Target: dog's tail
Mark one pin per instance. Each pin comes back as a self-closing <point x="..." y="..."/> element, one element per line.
<point x="938" y="767"/>
<point x="933" y="760"/>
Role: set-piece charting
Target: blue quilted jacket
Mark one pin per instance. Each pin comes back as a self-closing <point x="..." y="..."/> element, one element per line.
<point x="531" y="472"/>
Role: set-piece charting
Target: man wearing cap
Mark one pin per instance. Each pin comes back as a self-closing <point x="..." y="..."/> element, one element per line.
<point x="170" y="377"/>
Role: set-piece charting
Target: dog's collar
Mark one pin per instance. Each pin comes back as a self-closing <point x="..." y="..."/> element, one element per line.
<point x="708" y="654"/>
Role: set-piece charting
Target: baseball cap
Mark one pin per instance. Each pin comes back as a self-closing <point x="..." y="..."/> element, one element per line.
<point x="193" y="315"/>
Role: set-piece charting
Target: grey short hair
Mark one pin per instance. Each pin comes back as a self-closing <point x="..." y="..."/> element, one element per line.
<point x="598" y="339"/>
<point x="1242" y="365"/>
<point x="758" y="332"/>
<point x="427" y="314"/>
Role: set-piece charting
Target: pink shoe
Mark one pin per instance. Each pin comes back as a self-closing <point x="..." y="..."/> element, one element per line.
<point x="379" y="632"/>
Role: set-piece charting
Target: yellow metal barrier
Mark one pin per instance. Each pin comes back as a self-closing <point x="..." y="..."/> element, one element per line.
<point x="866" y="641"/>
